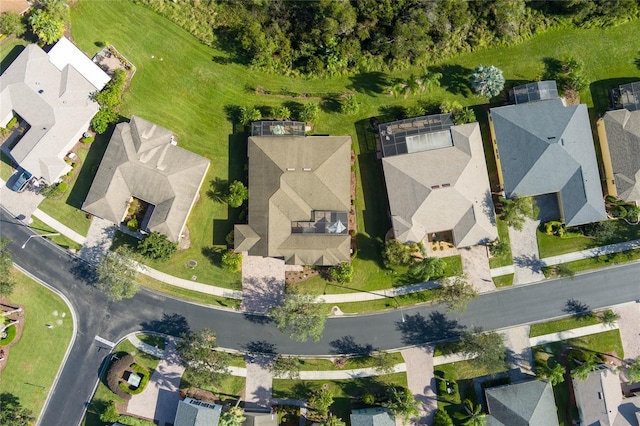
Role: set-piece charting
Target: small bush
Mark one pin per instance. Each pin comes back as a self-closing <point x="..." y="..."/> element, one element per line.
<point x="157" y="246"/>
<point x="342" y="273"/>
<point x="340" y="362"/>
<point x="134" y="421"/>
<point x="51" y="191"/>
<point x="110" y="414"/>
<point x="12" y="123"/>
<point x="368" y="398"/>
<point x="11" y="334"/>
<point x="230" y="238"/>
<point x="132" y="224"/>
<point x="87" y="140"/>
<point x="232" y="261"/>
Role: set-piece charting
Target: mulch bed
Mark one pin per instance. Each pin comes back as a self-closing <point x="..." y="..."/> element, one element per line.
<point x="294" y="277"/>
<point x="4" y="350"/>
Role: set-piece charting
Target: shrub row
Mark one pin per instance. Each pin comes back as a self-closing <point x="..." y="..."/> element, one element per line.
<point x="114" y="374"/>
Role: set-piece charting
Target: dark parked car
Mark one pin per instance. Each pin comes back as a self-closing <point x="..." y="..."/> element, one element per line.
<point x="21" y="182"/>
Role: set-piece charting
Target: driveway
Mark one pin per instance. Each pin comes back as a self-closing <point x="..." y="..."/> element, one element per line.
<point x="475" y="264"/>
<point x="99" y="239"/>
<point x="262" y="283"/>
<point x="159" y="400"/>
<point x="519" y="354"/>
<point x="421" y="382"/>
<point x="259" y="384"/>
<point x="20" y="205"/>
<point x="629" y="324"/>
<point x="524" y="248"/>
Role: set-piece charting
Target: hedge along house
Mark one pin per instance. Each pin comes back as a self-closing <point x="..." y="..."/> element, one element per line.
<point x="544" y="147"/>
<point x="619" y="134"/>
<point x="143" y="165"/>
<point x="299" y="198"/>
<point x="52" y="93"/>
<point x="437" y="182"/>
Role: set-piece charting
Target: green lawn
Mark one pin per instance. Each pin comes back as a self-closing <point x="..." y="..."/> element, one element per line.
<point x="387" y="303"/>
<point x="42" y="228"/>
<point x="552" y="245"/>
<point x="311" y="364"/>
<point x="503" y="235"/>
<point x="226" y="385"/>
<point x="503" y="280"/>
<point x="599" y="261"/>
<point x="344" y="391"/>
<point x="34" y="361"/>
<point x="560" y="325"/>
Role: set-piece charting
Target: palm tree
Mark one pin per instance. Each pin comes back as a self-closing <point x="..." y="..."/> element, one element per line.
<point x="429" y="79"/>
<point x="428" y="268"/>
<point x="402" y="404"/>
<point x="396" y="88"/>
<point x="474" y="415"/>
<point x="411" y="86"/>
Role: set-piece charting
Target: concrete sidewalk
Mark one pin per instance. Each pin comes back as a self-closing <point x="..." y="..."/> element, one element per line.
<point x="61" y="228"/>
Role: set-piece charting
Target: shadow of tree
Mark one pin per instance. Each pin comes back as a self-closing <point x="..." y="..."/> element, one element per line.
<point x="170" y="324"/>
<point x="218" y="190"/>
<point x="392" y="113"/>
<point x="455" y="78"/>
<point x="214" y="254"/>
<point x="330" y="104"/>
<point x="417" y="330"/>
<point x="531" y="262"/>
<point x="347" y="345"/>
<point x="552" y="67"/>
<point x="83" y="271"/>
<point x="370" y="83"/>
<point x="578" y="309"/>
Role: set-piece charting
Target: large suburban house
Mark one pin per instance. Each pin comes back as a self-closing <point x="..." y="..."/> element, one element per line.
<point x="193" y="412"/>
<point x="143" y="162"/>
<point x="52" y="93"/>
<point x="619" y="134"/>
<point x="299" y="199"/>
<point x="545" y="147"/>
<point x="601" y="402"/>
<point x="437" y="181"/>
<point x="529" y="403"/>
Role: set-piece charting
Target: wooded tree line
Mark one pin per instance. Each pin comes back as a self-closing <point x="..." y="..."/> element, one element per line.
<point x="329" y="37"/>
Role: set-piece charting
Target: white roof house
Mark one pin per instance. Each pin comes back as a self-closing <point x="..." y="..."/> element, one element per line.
<point x="55" y="99"/>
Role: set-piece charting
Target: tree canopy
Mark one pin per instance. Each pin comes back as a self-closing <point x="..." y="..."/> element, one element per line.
<point x="516" y="210"/>
<point x="11" y="23"/>
<point x="487" y="349"/>
<point x="12" y="413"/>
<point x="237" y="194"/>
<point x="156" y="246"/>
<point x="116" y="274"/>
<point x="197" y="352"/>
<point x="402" y="404"/>
<point x="456" y="292"/>
<point x="45" y="27"/>
<point x="7" y="283"/>
<point x="487" y="81"/>
<point x="301" y="316"/>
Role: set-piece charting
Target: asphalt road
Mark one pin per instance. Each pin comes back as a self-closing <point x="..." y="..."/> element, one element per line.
<point x="152" y="311"/>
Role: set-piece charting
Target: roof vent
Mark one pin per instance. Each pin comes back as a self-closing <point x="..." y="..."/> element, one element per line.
<point x="41" y="91"/>
<point x="446" y="185"/>
<point x="291" y="169"/>
<point x="307" y="169"/>
<point x="550" y="138"/>
<point x="435" y="186"/>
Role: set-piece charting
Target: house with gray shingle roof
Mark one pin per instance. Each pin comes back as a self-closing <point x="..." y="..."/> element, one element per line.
<point x="619" y="134"/>
<point x="437" y="181"/>
<point x="192" y="412"/>
<point x="142" y="162"/>
<point x="53" y="94"/>
<point x="544" y="147"/>
<point x="600" y="400"/>
<point x="299" y="199"/>
<point x="528" y="403"/>
<point x="376" y="416"/>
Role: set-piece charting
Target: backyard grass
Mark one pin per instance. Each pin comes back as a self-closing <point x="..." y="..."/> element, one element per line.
<point x="599" y="261"/>
<point x="34" y="361"/>
<point x="503" y="280"/>
<point x="345" y="392"/>
<point x="42" y="228"/>
<point x="503" y="234"/>
<point x="561" y="325"/>
<point x="168" y="57"/>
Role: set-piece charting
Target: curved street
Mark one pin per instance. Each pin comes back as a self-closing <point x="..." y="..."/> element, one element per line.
<point x="152" y="311"/>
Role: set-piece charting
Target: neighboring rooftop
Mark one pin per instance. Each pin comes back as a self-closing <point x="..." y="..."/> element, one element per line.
<point x="415" y="134"/>
<point x="55" y="99"/>
<point x="627" y="96"/>
<point x="65" y="53"/>
<point x="260" y="419"/>
<point x="545" y="147"/>
<point x="599" y="400"/>
<point x="299" y="199"/>
<point x="141" y="162"/>
<point x="376" y="416"/>
<point x="536" y="91"/>
<point x="443" y="188"/>
<point x="521" y="404"/>
<point x="621" y="144"/>
<point x="17" y="6"/>
<point x="192" y="412"/>
<point x="278" y="128"/>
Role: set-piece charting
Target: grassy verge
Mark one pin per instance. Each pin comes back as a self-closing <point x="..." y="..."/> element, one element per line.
<point x="386" y="303"/>
<point x="311" y="364"/>
<point x="225" y="384"/>
<point x="142" y="358"/>
<point x="598" y="262"/>
<point x="503" y="280"/>
<point x="185" y="294"/>
<point x="34" y="361"/>
<point x="345" y="392"/>
<point x="560" y="325"/>
<point x="552" y="245"/>
<point x="503" y="234"/>
<point x="61" y="240"/>
<point x="152" y="340"/>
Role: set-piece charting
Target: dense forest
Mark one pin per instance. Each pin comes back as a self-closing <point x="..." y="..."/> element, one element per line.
<point x="329" y="37"/>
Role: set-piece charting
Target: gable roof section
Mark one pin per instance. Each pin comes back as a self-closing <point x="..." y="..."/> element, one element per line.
<point x="546" y="147"/>
<point x="442" y="189"/>
<point x="623" y="134"/>
<point x="376" y="416"/>
<point x="55" y="102"/>
<point x="140" y="162"/>
<point x="289" y="179"/>
<point x="192" y="412"/>
<point x="522" y="404"/>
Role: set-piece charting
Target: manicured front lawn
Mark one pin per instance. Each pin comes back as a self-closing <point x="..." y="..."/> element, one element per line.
<point x="503" y="280"/>
<point x="344" y="391"/>
<point x="34" y="361"/>
<point x="61" y="240"/>
<point x="311" y="364"/>
<point x="503" y="235"/>
<point x="561" y="325"/>
<point x="226" y="385"/>
<point x="387" y="303"/>
<point x="552" y="245"/>
<point x="600" y="261"/>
